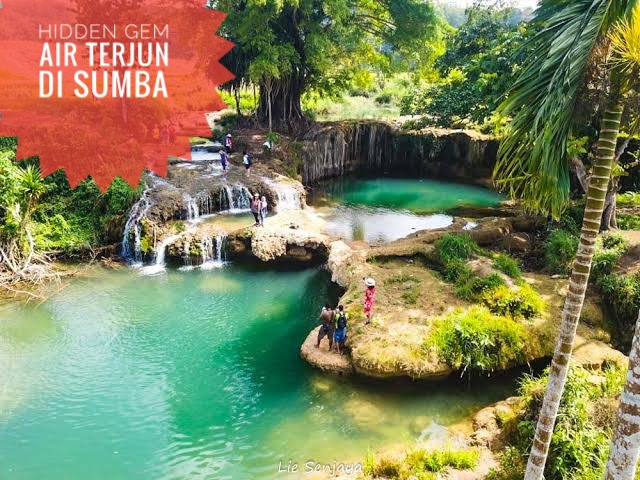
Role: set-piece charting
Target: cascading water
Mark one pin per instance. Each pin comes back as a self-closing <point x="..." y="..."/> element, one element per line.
<point x="160" y="254"/>
<point x="213" y="252"/>
<point x="134" y="224"/>
<point x="238" y="198"/>
<point x="193" y="211"/>
<point x="288" y="196"/>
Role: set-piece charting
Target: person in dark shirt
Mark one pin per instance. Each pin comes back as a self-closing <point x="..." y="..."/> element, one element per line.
<point x="327" y="327"/>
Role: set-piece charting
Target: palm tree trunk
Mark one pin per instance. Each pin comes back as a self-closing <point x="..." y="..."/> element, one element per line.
<point x="625" y="445"/>
<point x="598" y="185"/>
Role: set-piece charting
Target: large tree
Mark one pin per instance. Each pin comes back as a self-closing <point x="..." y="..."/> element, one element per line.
<point x="289" y="47"/>
<point x="533" y="161"/>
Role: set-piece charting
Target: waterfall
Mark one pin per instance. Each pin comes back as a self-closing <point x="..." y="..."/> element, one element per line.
<point x="193" y="212"/>
<point x="134" y="223"/>
<point x="238" y="198"/>
<point x="288" y="196"/>
<point x="205" y="204"/>
<point x="213" y="258"/>
<point x="160" y="253"/>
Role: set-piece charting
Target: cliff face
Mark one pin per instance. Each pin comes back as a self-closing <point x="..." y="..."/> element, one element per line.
<point x="335" y="149"/>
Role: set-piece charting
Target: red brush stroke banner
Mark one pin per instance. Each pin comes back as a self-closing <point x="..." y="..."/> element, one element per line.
<point x="108" y="88"/>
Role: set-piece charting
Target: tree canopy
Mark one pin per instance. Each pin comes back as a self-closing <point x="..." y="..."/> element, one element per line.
<point x="289" y="47"/>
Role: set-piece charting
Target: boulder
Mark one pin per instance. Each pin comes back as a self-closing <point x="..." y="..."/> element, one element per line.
<point x="518" y="242"/>
<point x="322" y="358"/>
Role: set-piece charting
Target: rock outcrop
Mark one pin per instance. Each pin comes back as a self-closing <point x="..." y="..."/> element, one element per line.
<point x="336" y="149"/>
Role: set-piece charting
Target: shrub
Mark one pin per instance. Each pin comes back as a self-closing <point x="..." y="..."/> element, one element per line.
<point x="621" y="294"/>
<point x="631" y="199"/>
<point x="614" y="241"/>
<point x="455" y="247"/>
<point x="456" y="271"/>
<point x="477" y="340"/>
<point x="521" y="303"/>
<point x="629" y="222"/>
<point x="507" y="265"/>
<point x="559" y="251"/>
<point x="384" y="98"/>
<point x="579" y="445"/>
<point x="474" y="287"/>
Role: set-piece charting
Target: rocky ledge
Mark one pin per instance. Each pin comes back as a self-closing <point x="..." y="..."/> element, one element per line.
<point x="411" y="296"/>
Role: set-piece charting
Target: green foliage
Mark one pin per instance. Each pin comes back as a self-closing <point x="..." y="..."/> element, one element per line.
<point x="523" y="302"/>
<point x="629" y="199"/>
<point x="453" y="247"/>
<point x="385" y="98"/>
<point x="61" y="219"/>
<point x="621" y="294"/>
<point x="609" y="249"/>
<point x="629" y="222"/>
<point x="411" y="295"/>
<point x="477" y="340"/>
<point x="507" y="265"/>
<point x="289" y="48"/>
<point x="457" y="271"/>
<point x="560" y="249"/>
<point x="420" y="464"/>
<point x="474" y="287"/>
<point x="580" y="441"/>
<point x="480" y="63"/>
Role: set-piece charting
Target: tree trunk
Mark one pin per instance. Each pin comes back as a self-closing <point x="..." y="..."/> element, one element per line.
<point x="598" y="185"/>
<point x="284" y="99"/>
<point x="625" y="444"/>
<point x="236" y="94"/>
<point x="270" y="106"/>
<point x="611" y="204"/>
<point x="609" y="220"/>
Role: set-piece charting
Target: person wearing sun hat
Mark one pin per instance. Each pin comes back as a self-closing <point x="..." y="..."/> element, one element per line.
<point x="369" y="297"/>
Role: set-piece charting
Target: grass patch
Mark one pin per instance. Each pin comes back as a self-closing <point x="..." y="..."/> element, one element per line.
<point x="412" y="295"/>
<point x="507" y="265"/>
<point x="451" y="248"/>
<point x="420" y="464"/>
<point x="401" y="278"/>
<point x="477" y="340"/>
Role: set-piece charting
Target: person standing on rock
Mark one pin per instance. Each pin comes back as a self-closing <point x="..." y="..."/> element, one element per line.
<point x="369" y="297"/>
<point x="247" y="160"/>
<point x="264" y="209"/>
<point x="228" y="142"/>
<point x="224" y="161"/>
<point x="327" y="327"/>
<point x="341" y="329"/>
<point x="255" y="209"/>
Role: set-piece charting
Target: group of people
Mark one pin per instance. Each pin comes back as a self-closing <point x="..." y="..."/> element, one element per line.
<point x="165" y="135"/>
<point x="334" y="327"/>
<point x="259" y="209"/>
<point x="333" y="323"/>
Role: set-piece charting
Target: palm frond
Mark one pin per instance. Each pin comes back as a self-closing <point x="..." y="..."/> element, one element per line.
<point x="532" y="159"/>
<point x="625" y="43"/>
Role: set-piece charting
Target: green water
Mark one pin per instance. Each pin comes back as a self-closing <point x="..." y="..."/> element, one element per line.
<point x="192" y="375"/>
<point x="419" y="196"/>
<point x="385" y="209"/>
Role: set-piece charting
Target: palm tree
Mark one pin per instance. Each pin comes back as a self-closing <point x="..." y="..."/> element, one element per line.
<point x="625" y="445"/>
<point x="532" y="159"/>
